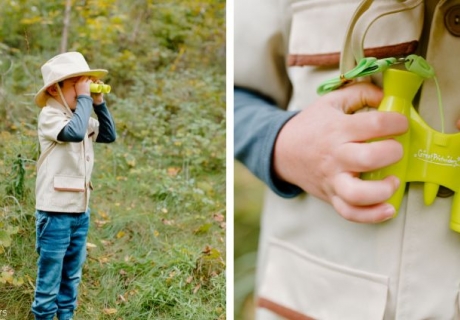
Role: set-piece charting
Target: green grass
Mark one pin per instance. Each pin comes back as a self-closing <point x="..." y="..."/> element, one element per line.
<point x="157" y="230"/>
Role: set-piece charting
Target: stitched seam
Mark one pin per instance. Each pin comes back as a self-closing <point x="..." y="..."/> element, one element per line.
<point x="332" y="59"/>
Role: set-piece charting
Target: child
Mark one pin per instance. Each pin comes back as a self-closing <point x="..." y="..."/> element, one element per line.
<point x="66" y="133"/>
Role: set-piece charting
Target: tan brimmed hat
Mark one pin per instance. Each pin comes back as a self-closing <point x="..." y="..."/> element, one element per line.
<point x="61" y="67"/>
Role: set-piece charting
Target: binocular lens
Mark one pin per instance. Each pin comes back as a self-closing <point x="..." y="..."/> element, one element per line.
<point x="99" y="88"/>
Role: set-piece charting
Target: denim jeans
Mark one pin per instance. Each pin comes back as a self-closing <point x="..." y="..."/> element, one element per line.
<point x="61" y="246"/>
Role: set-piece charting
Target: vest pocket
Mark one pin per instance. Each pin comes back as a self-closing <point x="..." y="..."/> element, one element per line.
<point x="69" y="183"/>
<point x="69" y="192"/>
<point x="297" y="285"/>
<point x="319" y="28"/>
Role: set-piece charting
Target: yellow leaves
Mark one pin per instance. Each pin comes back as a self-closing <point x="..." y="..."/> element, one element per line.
<point x="197" y="287"/>
<point x="103" y="215"/>
<point x="218" y="217"/>
<point x="90" y="245"/>
<point x="109" y="311"/>
<point x="106" y="242"/>
<point x="130" y="160"/>
<point x="173" y="171"/>
<point x="100" y="223"/>
<point x="120" y="234"/>
<point x="209" y="264"/>
<point x="167" y="222"/>
<point x="103" y="260"/>
<point x="203" y="228"/>
<point x="7" y="277"/>
<point x="33" y="20"/>
<point x="103" y="219"/>
<point x="123" y="298"/>
<point x="5" y="236"/>
<point x="170" y="277"/>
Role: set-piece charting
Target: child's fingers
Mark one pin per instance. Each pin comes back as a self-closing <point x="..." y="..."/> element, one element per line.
<point x="357" y="96"/>
<point x="458" y="124"/>
<point x="365" y="126"/>
<point x="357" y="192"/>
<point x="367" y="214"/>
<point x="364" y="157"/>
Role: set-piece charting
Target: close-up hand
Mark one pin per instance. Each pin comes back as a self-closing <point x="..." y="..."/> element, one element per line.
<point x="325" y="147"/>
<point x="82" y="86"/>
<point x="98" y="98"/>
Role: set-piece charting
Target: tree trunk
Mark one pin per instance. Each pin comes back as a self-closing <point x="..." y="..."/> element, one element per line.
<point x="65" y="29"/>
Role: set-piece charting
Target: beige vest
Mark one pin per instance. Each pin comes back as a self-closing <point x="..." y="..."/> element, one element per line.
<point x="64" y="169"/>
<point x="313" y="264"/>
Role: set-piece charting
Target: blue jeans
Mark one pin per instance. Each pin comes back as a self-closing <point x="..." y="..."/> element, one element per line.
<point x="61" y="246"/>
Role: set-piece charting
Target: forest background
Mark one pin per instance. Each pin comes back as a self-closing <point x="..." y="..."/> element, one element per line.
<point x="156" y="247"/>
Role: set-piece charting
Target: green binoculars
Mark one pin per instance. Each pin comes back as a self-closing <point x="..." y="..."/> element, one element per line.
<point x="99" y="88"/>
<point x="430" y="157"/>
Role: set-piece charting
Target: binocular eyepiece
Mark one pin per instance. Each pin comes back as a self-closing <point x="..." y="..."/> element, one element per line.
<point x="99" y="88"/>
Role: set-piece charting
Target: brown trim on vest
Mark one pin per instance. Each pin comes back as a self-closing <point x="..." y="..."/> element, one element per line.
<point x="333" y="59"/>
<point x="281" y="310"/>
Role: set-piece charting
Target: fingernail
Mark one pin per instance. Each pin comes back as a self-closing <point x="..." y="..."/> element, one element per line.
<point x="389" y="212"/>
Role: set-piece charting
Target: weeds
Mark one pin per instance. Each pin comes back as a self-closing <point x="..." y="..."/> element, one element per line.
<point x="156" y="247"/>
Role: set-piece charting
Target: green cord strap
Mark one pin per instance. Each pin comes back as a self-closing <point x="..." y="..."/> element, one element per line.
<point x="370" y="65"/>
<point x="420" y="66"/>
<point x="365" y="67"/>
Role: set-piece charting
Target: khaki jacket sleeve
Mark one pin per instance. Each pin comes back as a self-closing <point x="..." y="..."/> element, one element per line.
<point x="259" y="57"/>
<point x="50" y="123"/>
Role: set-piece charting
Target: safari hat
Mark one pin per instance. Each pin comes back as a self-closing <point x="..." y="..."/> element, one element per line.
<point x="61" y="67"/>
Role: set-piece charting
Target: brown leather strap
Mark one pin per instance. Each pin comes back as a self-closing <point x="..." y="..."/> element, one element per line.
<point x="282" y="310"/>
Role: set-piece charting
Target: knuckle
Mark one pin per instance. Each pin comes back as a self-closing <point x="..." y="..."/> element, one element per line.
<point x="351" y="194"/>
<point x="347" y="190"/>
<point x="378" y="120"/>
<point x="365" y="157"/>
<point x="346" y="213"/>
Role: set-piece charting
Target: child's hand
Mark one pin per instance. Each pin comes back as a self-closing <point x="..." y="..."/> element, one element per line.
<point x="82" y="86"/>
<point x="322" y="150"/>
<point x="98" y="98"/>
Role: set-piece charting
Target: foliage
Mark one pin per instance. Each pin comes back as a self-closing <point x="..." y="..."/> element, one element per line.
<point x="158" y="210"/>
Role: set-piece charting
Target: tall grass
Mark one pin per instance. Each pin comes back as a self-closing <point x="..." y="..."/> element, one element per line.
<point x="157" y="237"/>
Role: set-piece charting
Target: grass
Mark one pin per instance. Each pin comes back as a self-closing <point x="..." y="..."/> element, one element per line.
<point x="157" y="237"/>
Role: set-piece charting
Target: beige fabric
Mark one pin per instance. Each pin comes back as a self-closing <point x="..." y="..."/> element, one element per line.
<point x="271" y="80"/>
<point x="408" y="266"/>
<point x="64" y="174"/>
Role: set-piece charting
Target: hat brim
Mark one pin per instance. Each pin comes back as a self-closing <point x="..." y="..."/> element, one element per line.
<point x="41" y="97"/>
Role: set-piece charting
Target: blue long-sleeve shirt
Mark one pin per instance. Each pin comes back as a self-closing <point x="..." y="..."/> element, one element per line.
<point x="75" y="129"/>
<point x="257" y="122"/>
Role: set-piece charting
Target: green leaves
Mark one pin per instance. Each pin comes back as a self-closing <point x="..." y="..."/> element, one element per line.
<point x="5" y="235"/>
<point x="159" y="190"/>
